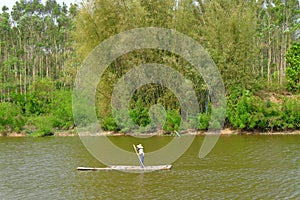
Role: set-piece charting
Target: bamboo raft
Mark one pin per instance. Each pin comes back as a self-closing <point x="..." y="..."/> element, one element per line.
<point x="127" y="168"/>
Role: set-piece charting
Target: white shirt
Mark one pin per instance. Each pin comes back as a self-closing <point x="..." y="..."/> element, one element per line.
<point x="141" y="151"/>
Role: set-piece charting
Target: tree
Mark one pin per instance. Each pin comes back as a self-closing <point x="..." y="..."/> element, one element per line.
<point x="101" y="19"/>
<point x="35" y="47"/>
<point x="293" y="69"/>
<point x="277" y="25"/>
<point x="229" y="29"/>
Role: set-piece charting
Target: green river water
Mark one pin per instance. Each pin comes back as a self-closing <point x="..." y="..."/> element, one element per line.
<point x="239" y="167"/>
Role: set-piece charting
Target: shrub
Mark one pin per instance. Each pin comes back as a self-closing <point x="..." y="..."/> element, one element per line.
<point x="238" y="110"/>
<point x="140" y="114"/>
<point x="109" y="124"/>
<point x="40" y="97"/>
<point x="172" y="121"/>
<point x="62" y="110"/>
<point x="11" y="118"/>
<point x="42" y="126"/>
<point x="203" y="121"/>
<point x="290" y="113"/>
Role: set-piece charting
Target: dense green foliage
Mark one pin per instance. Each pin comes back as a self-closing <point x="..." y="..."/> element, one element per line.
<point x="273" y="113"/>
<point x="246" y="39"/>
<point x="293" y="70"/>
<point x="40" y="112"/>
<point x="35" y="71"/>
<point x="255" y="45"/>
<point x="11" y="118"/>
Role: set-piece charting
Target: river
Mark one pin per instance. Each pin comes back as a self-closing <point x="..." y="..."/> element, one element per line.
<point x="239" y="167"/>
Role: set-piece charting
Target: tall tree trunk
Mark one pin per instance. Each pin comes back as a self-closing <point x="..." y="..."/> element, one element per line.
<point x="282" y="53"/>
<point x="269" y="57"/>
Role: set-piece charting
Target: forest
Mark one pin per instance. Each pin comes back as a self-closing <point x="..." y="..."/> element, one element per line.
<point x="254" y="44"/>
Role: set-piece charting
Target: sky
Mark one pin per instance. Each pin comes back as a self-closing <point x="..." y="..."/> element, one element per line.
<point x="11" y="3"/>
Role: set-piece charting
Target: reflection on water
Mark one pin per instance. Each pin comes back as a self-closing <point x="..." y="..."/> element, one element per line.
<point x="239" y="167"/>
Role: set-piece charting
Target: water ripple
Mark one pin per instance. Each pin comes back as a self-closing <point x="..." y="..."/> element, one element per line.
<point x="240" y="167"/>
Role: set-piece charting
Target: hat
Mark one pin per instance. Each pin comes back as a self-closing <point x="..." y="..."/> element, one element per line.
<point x="140" y="146"/>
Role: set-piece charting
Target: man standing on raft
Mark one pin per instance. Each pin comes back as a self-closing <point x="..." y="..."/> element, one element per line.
<point x="140" y="150"/>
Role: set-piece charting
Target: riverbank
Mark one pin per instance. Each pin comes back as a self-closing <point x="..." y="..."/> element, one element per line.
<point x="227" y="131"/>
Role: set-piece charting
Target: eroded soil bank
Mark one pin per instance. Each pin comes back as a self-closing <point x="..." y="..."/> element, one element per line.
<point x="223" y="132"/>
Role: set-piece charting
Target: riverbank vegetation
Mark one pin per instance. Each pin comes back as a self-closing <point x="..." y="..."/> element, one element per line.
<point x="255" y="45"/>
